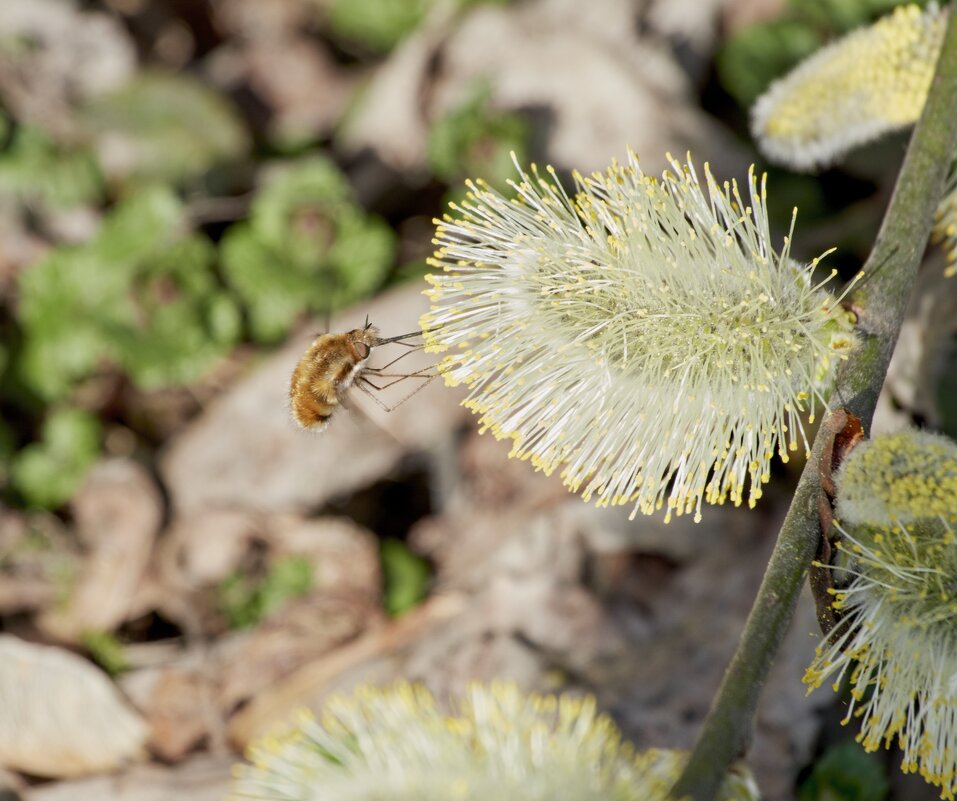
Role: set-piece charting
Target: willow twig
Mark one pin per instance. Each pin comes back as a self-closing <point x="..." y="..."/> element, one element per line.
<point x="881" y="301"/>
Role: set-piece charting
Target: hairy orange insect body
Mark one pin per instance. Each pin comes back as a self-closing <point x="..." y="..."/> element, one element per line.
<point x="325" y="372"/>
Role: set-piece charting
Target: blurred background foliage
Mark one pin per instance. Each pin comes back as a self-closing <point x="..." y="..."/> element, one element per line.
<point x="175" y="201"/>
<point x="169" y="228"/>
<point x="846" y="772"/>
<point x="246" y="601"/>
<point x="307" y="246"/>
<point x="168" y="225"/>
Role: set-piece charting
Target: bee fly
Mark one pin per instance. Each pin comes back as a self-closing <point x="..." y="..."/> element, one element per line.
<point x="336" y="362"/>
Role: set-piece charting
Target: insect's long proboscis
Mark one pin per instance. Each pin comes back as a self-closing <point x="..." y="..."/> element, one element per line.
<point x="387" y="340"/>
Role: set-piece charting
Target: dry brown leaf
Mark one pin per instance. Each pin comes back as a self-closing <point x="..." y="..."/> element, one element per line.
<point x="301" y="84"/>
<point x="204" y="778"/>
<point x="118" y="513"/>
<point x="620" y="88"/>
<point x="740" y="14"/>
<point x="306" y="686"/>
<point x="201" y="550"/>
<point x="73" y="55"/>
<point x="300" y="633"/>
<point x="253" y="19"/>
<point x="389" y="117"/>
<point x="61" y="716"/>
<point x="37" y="557"/>
<point x="344" y="556"/>
<point x="176" y="703"/>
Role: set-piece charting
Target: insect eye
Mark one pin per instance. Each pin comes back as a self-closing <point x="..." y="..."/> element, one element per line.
<point x="363" y="350"/>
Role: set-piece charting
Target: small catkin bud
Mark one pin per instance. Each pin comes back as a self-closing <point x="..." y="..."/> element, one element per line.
<point x="897" y="479"/>
<point x="871" y="82"/>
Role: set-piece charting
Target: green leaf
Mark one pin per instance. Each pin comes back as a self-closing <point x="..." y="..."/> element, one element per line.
<point x="107" y="651"/>
<point x="223" y="319"/>
<point x="246" y="602"/>
<point x="377" y="25"/>
<point x="61" y="347"/>
<point x="290" y="577"/>
<point x="35" y="171"/>
<point x="306" y="247"/>
<point x="297" y="200"/>
<point x="755" y="56"/>
<point x="405" y="575"/>
<point x="141" y="226"/>
<point x="840" y="16"/>
<point x="360" y="256"/>
<point x="475" y="139"/>
<point x="176" y="339"/>
<point x="179" y="345"/>
<point x="68" y="301"/>
<point x="846" y="773"/>
<point x="48" y="472"/>
<point x="141" y="295"/>
<point x="272" y="287"/>
<point x="170" y="127"/>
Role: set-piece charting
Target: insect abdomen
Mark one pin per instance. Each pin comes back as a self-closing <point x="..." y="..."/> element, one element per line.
<point x="310" y="412"/>
<point x="312" y="395"/>
<point x="326" y="371"/>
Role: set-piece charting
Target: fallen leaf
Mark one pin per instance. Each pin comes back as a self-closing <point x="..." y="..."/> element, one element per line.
<point x="61" y="715"/>
<point x="118" y="512"/>
<point x="205" y="778"/>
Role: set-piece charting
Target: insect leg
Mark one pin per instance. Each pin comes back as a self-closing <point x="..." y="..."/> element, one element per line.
<point x="423" y="373"/>
<point x="362" y="381"/>
<point x="360" y="384"/>
<point x="414" y="348"/>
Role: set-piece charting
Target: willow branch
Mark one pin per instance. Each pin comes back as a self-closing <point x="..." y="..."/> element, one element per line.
<point x="881" y="301"/>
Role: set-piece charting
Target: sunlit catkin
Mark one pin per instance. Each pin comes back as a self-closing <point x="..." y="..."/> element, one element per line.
<point x="872" y="81"/>
<point x="642" y="335"/>
<point x="495" y="744"/>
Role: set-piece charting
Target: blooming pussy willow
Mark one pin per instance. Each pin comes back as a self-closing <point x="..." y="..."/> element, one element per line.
<point x="896" y="639"/>
<point x="497" y="744"/>
<point x="643" y="335"/>
<point x="872" y="81"/>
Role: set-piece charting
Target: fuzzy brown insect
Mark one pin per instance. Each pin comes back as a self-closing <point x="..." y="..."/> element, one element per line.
<point x="333" y="364"/>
